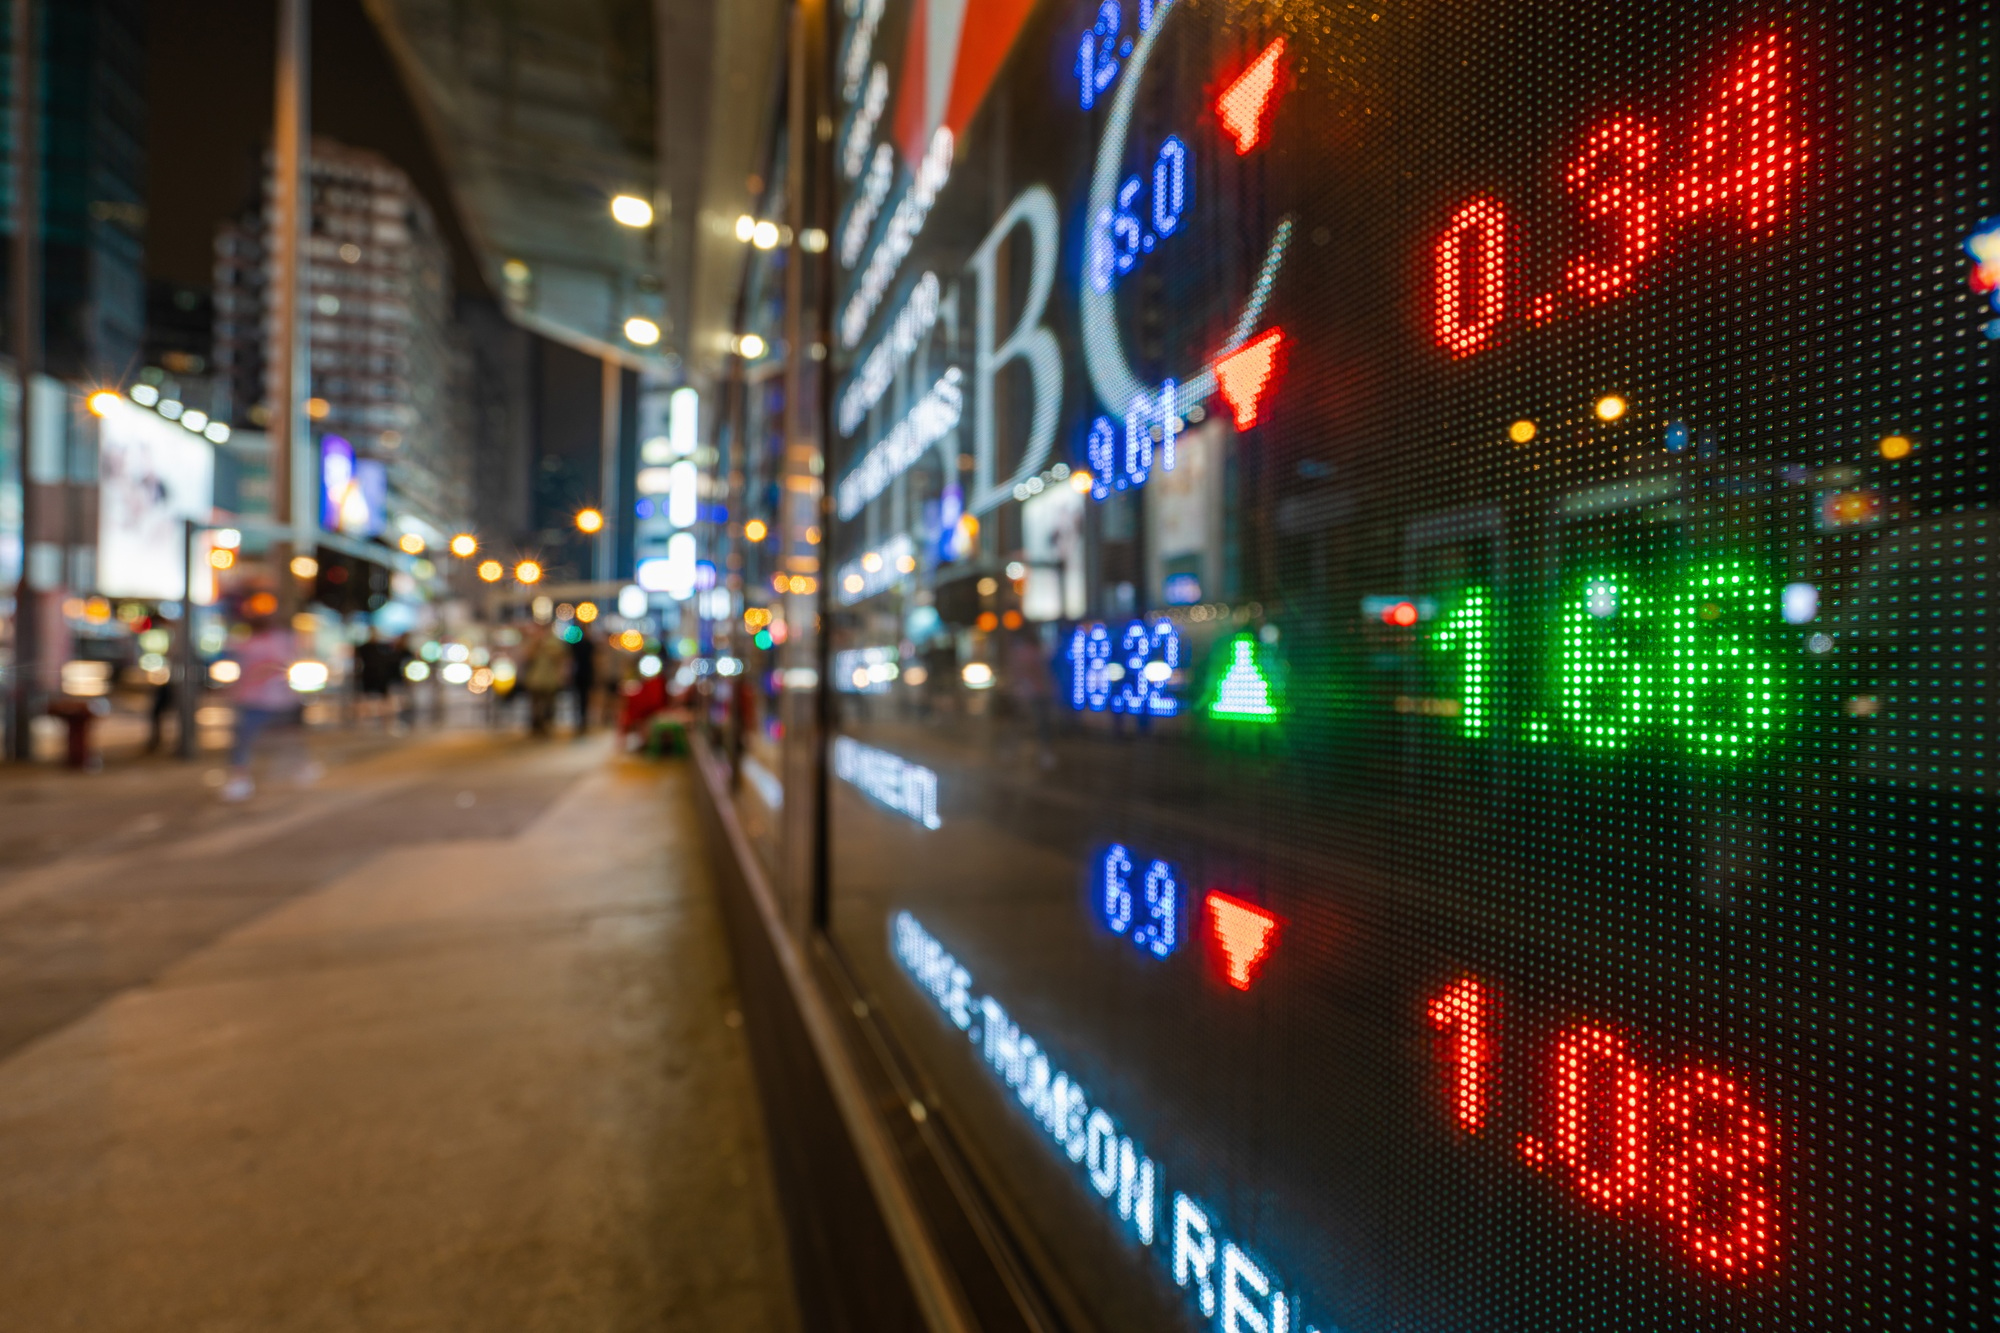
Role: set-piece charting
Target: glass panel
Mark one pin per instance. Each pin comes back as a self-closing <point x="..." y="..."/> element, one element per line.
<point x="1407" y="635"/>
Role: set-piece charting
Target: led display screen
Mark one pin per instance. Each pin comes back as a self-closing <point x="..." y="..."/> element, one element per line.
<point x="1408" y="616"/>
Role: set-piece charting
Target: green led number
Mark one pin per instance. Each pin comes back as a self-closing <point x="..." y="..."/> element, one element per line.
<point x="1464" y="634"/>
<point x="1607" y="684"/>
<point x="1724" y="686"/>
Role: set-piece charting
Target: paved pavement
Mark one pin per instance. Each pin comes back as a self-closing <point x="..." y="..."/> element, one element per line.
<point x="447" y="1041"/>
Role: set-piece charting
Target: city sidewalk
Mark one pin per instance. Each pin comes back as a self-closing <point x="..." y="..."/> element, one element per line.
<point x="458" y="1051"/>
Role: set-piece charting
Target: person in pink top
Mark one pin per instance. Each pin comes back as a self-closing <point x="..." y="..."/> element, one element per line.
<point x="262" y="694"/>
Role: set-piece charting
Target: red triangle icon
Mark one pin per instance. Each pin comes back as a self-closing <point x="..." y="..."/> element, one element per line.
<point x="1245" y="935"/>
<point x="1243" y="103"/>
<point x="1247" y="374"/>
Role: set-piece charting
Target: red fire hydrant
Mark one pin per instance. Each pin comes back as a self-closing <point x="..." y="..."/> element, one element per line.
<point x="78" y="715"/>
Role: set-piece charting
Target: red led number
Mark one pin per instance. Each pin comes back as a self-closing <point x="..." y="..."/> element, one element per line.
<point x="1715" y="1152"/>
<point x="1465" y="1014"/>
<point x="1738" y="165"/>
<point x="1601" y="1111"/>
<point x="1472" y="276"/>
<point x="1690" y="1147"/>
<point x="1615" y="178"/>
<point x="1745" y="151"/>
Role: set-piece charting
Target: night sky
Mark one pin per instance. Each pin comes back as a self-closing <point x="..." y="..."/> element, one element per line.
<point x="210" y="93"/>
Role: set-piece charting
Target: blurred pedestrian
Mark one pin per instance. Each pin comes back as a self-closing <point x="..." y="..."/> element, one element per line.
<point x="583" y="675"/>
<point x="616" y="661"/>
<point x="376" y="668"/>
<point x="543" y="677"/>
<point x="164" y="695"/>
<point x="402" y="691"/>
<point x="262" y="694"/>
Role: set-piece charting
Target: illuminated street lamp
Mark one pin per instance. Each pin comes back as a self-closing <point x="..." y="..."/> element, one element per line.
<point x="528" y="572"/>
<point x="641" y="332"/>
<point x="411" y="544"/>
<point x="464" y="545"/>
<point x="102" y="402"/>
<point x="589" y="521"/>
<point x="491" y="571"/>
<point x="631" y="211"/>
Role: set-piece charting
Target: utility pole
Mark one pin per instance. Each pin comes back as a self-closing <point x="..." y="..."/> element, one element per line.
<point x="26" y="317"/>
<point x="185" y="667"/>
<point x="611" y="427"/>
<point x="290" y="363"/>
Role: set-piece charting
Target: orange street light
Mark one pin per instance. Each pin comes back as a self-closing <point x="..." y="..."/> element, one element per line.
<point x="492" y="571"/>
<point x="528" y="572"/>
<point x="102" y="402"/>
<point x="464" y="545"/>
<point x="589" y="521"/>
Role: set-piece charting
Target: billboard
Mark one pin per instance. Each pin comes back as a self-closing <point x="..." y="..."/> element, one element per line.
<point x="153" y="477"/>
<point x="1482" y="818"/>
<point x="353" y="492"/>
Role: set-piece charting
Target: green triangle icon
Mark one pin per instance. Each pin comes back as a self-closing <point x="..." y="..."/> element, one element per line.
<point x="1243" y="694"/>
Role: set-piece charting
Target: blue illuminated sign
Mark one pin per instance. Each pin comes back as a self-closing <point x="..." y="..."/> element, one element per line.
<point x="1232" y="1289"/>
<point x="1131" y="670"/>
<point x="889" y="780"/>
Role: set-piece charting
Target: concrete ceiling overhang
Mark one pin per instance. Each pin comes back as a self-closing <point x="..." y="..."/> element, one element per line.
<point x="542" y="110"/>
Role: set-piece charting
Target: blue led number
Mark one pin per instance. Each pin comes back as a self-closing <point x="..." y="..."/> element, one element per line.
<point x="1114" y="897"/>
<point x="1097" y="55"/>
<point x="1090" y="677"/>
<point x="1118" y="237"/>
<point x="1126" y="237"/>
<point x="1163" y="896"/>
<point x="1170" y="186"/>
<point x="1102" y="451"/>
<point x="1131" y="673"/>
<point x="1159" y="670"/>
<point x="1134" y="652"/>
<point x="1099" y="51"/>
<point x="1158" y="932"/>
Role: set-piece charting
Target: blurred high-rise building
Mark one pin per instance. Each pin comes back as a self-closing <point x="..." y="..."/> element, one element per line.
<point x="378" y="300"/>
<point x="93" y="148"/>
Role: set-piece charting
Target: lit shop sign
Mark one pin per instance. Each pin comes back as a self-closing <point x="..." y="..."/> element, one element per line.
<point x="888" y="780"/>
<point x="1240" y="1294"/>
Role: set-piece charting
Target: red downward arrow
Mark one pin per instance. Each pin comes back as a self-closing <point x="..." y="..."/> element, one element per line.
<point x="1248" y="373"/>
<point x="1245" y="934"/>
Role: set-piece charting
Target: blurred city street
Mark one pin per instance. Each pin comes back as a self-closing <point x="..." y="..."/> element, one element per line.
<point x="444" y="1039"/>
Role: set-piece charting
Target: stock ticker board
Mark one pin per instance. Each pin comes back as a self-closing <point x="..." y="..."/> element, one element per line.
<point x="1411" y="612"/>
